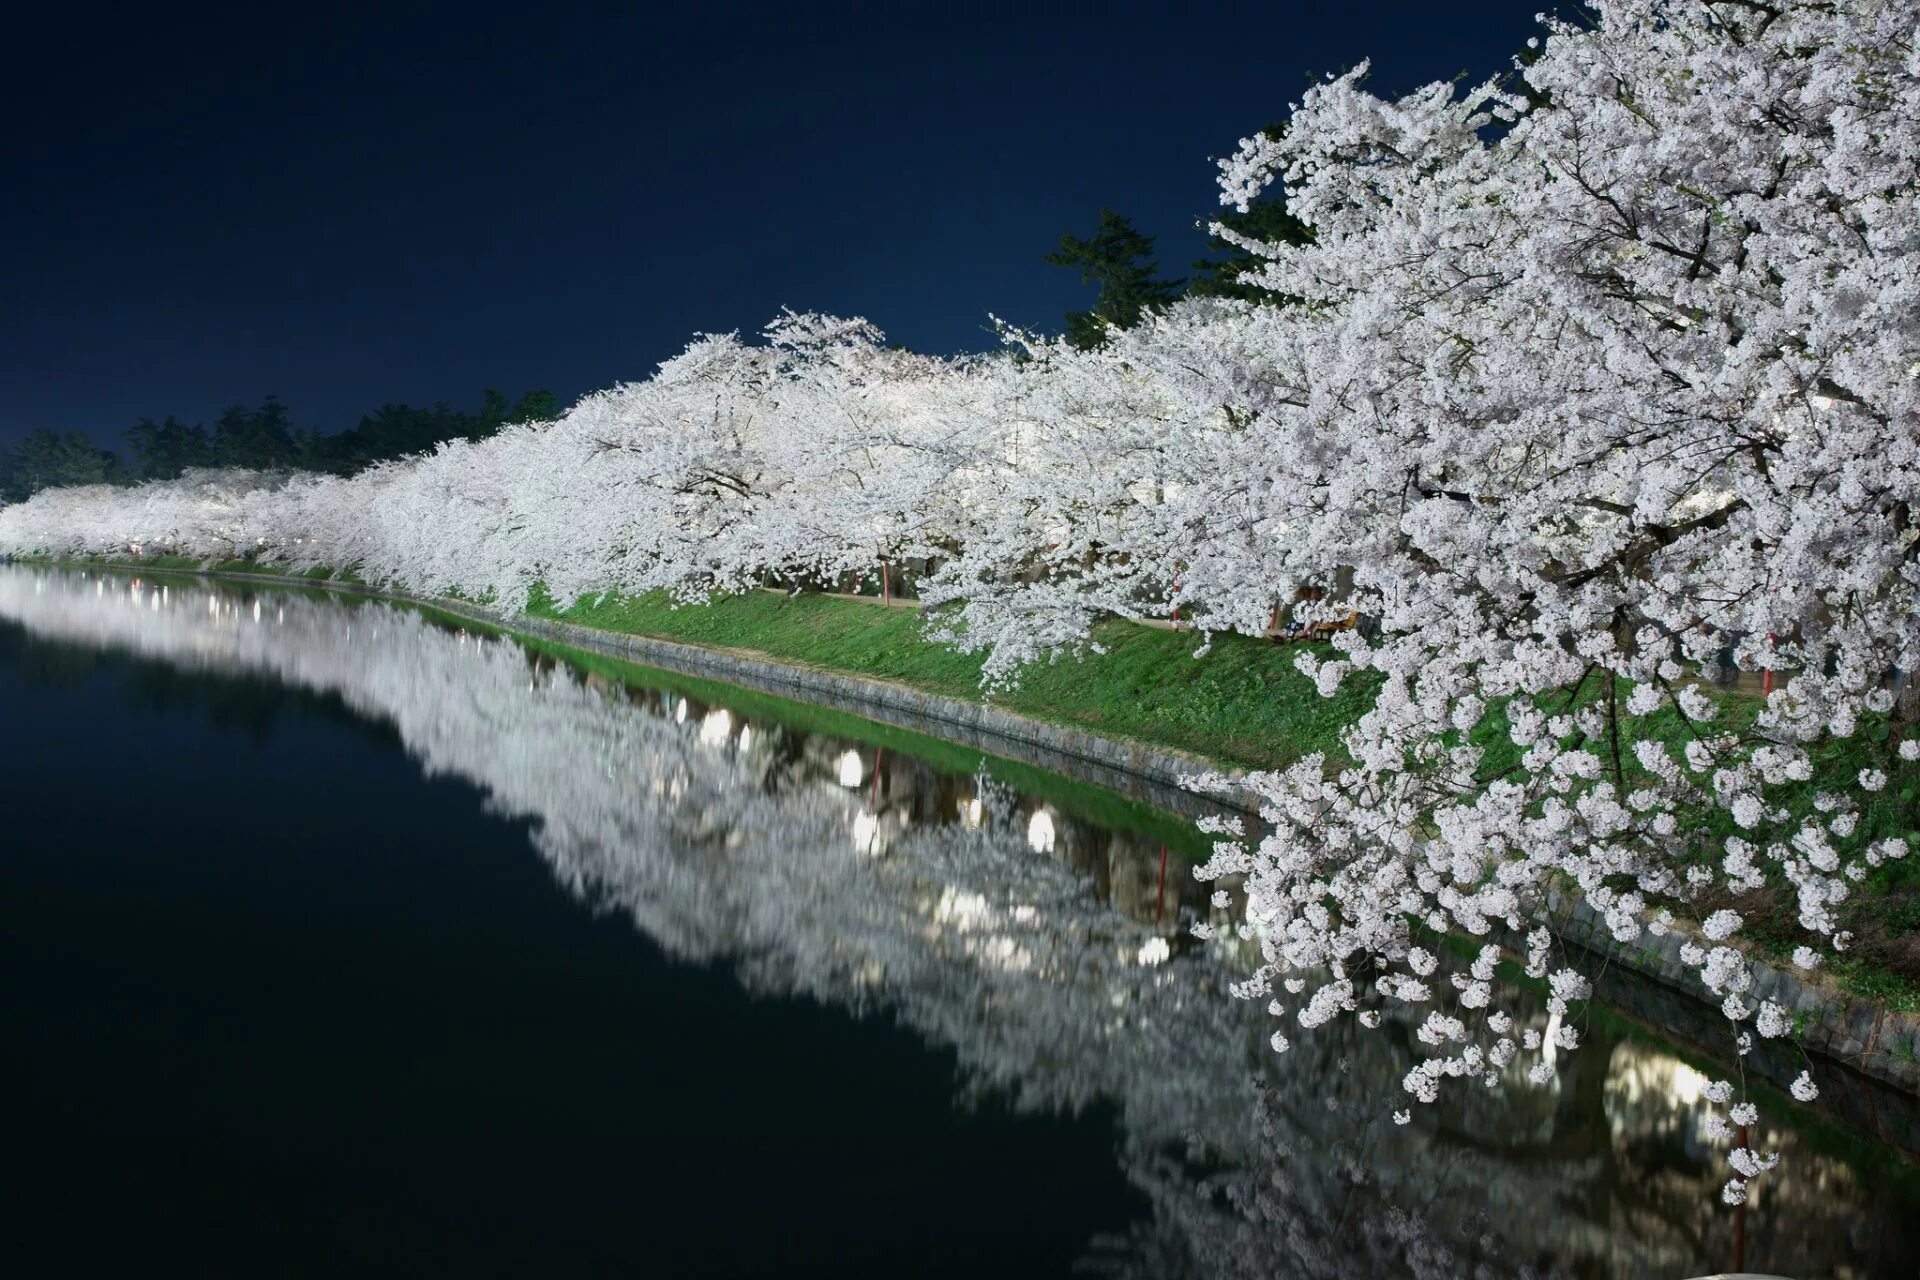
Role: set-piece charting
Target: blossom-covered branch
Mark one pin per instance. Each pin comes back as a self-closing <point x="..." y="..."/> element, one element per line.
<point x="1581" y="377"/>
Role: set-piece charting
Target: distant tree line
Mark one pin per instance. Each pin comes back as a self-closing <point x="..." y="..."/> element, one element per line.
<point x="1116" y="259"/>
<point x="262" y="437"/>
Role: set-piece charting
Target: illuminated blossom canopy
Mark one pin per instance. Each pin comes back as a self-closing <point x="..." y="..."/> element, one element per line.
<point x="1586" y="374"/>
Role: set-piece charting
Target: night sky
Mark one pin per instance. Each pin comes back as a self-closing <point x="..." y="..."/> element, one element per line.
<point x="409" y="203"/>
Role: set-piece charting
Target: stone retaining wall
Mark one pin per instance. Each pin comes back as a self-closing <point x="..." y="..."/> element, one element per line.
<point x="1148" y="774"/>
<point x="1862" y="1034"/>
<point x="1859" y="1034"/>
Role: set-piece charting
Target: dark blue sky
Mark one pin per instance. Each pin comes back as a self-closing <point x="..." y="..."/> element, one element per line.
<point x="410" y="202"/>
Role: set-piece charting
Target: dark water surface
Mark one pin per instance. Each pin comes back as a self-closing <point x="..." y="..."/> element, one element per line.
<point x="336" y="940"/>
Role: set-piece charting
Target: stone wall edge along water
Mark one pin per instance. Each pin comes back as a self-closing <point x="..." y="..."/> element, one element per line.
<point x="1858" y="1033"/>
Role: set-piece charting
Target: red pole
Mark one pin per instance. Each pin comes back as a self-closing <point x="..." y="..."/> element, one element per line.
<point x="886" y="585"/>
<point x="873" y="795"/>
<point x="1766" y="676"/>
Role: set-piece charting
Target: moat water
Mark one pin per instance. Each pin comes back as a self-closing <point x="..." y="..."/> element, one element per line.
<point x="336" y="939"/>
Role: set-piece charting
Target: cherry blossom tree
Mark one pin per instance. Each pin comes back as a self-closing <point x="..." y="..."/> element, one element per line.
<point x="1573" y="403"/>
<point x="872" y="885"/>
<point x="1583" y="375"/>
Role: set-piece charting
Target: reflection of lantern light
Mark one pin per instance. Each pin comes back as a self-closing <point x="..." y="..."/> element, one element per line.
<point x="866" y="832"/>
<point x="680" y="712"/>
<point x="852" y="770"/>
<point x="746" y="736"/>
<point x="716" y="727"/>
<point x="256" y="611"/>
<point x="970" y="813"/>
<point x="1040" y="831"/>
<point x="1155" y="951"/>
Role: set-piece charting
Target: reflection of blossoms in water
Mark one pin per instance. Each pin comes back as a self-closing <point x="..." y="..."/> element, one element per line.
<point x="1317" y="1209"/>
<point x="1028" y="941"/>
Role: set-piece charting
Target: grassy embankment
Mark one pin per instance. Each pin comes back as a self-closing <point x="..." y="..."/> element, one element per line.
<point x="1884" y="910"/>
<point x="697" y="626"/>
<point x="1244" y="704"/>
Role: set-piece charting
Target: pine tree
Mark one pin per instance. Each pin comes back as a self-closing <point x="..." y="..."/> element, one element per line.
<point x="1120" y="261"/>
<point x="1221" y="275"/>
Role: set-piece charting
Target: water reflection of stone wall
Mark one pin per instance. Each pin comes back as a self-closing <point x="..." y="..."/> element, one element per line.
<point x="1046" y="952"/>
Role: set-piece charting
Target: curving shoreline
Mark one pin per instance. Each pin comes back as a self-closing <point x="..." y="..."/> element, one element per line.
<point x="1859" y="1034"/>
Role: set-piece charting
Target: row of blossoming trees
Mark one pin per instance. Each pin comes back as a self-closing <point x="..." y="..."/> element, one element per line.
<point x="1583" y="375"/>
